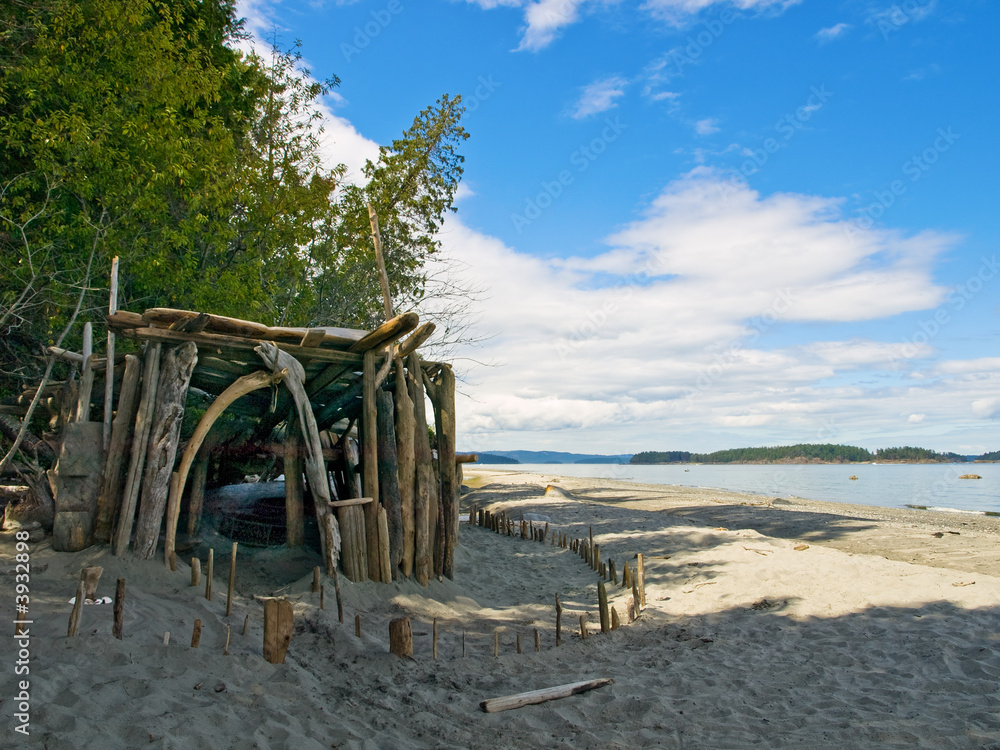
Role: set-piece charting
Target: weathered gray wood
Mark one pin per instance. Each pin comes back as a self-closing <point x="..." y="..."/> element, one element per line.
<point x="118" y="629"/>
<point x="109" y="372"/>
<point x="405" y="464"/>
<point x="87" y="376"/>
<point x="91" y="576"/>
<point x="507" y="702"/>
<point x="416" y="339"/>
<point x="232" y="580"/>
<point x="175" y="376"/>
<point x="385" y="563"/>
<point x="401" y="637"/>
<point x="121" y="438"/>
<point x="74" y="616"/>
<point x="388" y="480"/>
<point x="294" y="513"/>
<point x="369" y="460"/>
<point x="602" y="597"/>
<point x="426" y="484"/>
<point x="441" y="387"/>
<point x="240" y="387"/>
<point x="388" y="331"/>
<point x="319" y="484"/>
<point x="279" y="622"/>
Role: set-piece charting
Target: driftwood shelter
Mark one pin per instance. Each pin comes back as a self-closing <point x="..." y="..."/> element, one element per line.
<point x="342" y="409"/>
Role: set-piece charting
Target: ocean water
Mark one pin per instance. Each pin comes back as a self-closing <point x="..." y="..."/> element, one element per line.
<point x="934" y="486"/>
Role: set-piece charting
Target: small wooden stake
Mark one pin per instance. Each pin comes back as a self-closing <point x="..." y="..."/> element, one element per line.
<point x="496" y="643"/>
<point x="74" y="616"/>
<point x="641" y="575"/>
<point x="246" y="624"/>
<point x="583" y="627"/>
<point x="119" y="609"/>
<point x="615" y="622"/>
<point x="316" y="583"/>
<point x="463" y="644"/>
<point x="336" y="590"/>
<point x="401" y="637"/>
<point x="209" y="573"/>
<point x="631" y="610"/>
<point x="322" y="596"/>
<point x="519" y="644"/>
<point x="602" y="598"/>
<point x="225" y="651"/>
<point x="279" y="622"/>
<point x="597" y="558"/>
<point x="91" y="576"/>
<point x="196" y="634"/>
<point x="625" y="575"/>
<point x="635" y="595"/>
<point x="435" y="638"/>
<point x="357" y="625"/>
<point x="558" y="622"/>
<point x="538" y="641"/>
<point x="232" y="581"/>
<point x="195" y="571"/>
<point x="612" y="573"/>
<point x="166" y="638"/>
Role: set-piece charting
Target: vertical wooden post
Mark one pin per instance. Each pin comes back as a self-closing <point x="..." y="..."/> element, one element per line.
<point x="406" y="464"/>
<point x="426" y="485"/>
<point x="384" y="559"/>
<point x="435" y="639"/>
<point x="442" y="392"/>
<point x="602" y="598"/>
<point x="625" y="575"/>
<point x="615" y="622"/>
<point x="87" y="376"/>
<point x="74" y="616"/>
<point x="143" y="423"/>
<point x="558" y="622"/>
<point x="117" y="629"/>
<point x="232" y="581"/>
<point x="388" y="481"/>
<point x="209" y="574"/>
<point x="641" y="575"/>
<point x="195" y="571"/>
<point x="316" y="579"/>
<point x="357" y="625"/>
<point x="401" y="637"/>
<point x="538" y="641"/>
<point x="518" y="644"/>
<point x="294" y="511"/>
<point x="117" y="449"/>
<point x="612" y="573"/>
<point x="175" y="376"/>
<point x="196" y="634"/>
<point x="496" y="642"/>
<point x="583" y="627"/>
<point x="279" y="622"/>
<point x="109" y="372"/>
<point x="369" y="461"/>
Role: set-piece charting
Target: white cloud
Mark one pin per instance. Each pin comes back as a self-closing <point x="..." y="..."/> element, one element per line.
<point x="679" y="11"/>
<point x="599" y="96"/>
<point x="833" y="32"/>
<point x="916" y="418"/>
<point x="707" y="126"/>
<point x="986" y="408"/>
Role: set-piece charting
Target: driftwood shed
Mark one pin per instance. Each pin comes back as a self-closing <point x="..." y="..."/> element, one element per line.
<point x="400" y="519"/>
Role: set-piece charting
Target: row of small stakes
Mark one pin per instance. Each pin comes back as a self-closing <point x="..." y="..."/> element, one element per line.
<point x="502" y="523"/>
<point x="279" y="620"/>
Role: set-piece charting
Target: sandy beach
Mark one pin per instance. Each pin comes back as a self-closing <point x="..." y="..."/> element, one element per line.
<point x="770" y="622"/>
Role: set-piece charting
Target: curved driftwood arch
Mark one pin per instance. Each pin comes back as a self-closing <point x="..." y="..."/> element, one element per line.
<point x="242" y="386"/>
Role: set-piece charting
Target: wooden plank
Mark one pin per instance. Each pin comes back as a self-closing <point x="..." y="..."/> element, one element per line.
<point x="441" y="388"/>
<point x="405" y="465"/>
<point x="388" y="480"/>
<point x="121" y="437"/>
<point x="388" y="331"/>
<point x="234" y="342"/>
<point x="313" y="337"/>
<point x="122" y="319"/>
<point x="425" y="483"/>
<point x="349" y="502"/>
<point x="532" y="697"/>
<point x="109" y="374"/>
<point x="416" y="339"/>
<point x="87" y="376"/>
<point x="294" y="514"/>
<point x="369" y="462"/>
<point x="279" y="622"/>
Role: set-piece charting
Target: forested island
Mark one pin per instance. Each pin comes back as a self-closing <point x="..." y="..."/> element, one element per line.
<point x="807" y="453"/>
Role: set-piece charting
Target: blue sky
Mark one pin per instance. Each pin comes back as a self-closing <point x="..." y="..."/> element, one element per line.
<point x="700" y="224"/>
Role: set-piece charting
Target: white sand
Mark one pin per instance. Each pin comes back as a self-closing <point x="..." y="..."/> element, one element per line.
<point x="745" y="642"/>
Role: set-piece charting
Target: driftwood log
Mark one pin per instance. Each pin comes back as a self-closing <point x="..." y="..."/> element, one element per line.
<point x="507" y="702"/>
<point x="369" y="460"/>
<point x="388" y="480"/>
<point x="175" y="375"/>
<point x="121" y="437"/>
<point x="426" y="485"/>
<point x="441" y="387"/>
<point x="405" y="465"/>
<point x="140" y="440"/>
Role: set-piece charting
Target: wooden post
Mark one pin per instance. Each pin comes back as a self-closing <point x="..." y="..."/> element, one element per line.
<point x="388" y="481"/>
<point x="196" y="634"/>
<point x="74" y="616"/>
<point x="401" y="637"/>
<point x="246" y="624"/>
<point x="91" y="576"/>
<point x="612" y="573"/>
<point x="641" y="575"/>
<point x="294" y="513"/>
<point x="316" y="579"/>
<point x="495" y="705"/>
<point x="518" y="644"/>
<point x="369" y="461"/>
<point x="279" y="622"/>
<point x="602" y="598"/>
<point x="322" y="596"/>
<point x="209" y="574"/>
<point x="175" y="376"/>
<point x="442" y="392"/>
<point x="426" y="485"/>
<point x="635" y="595"/>
<point x="384" y="559"/>
<point x="597" y="558"/>
<point x="117" y="629"/>
<point x="232" y="581"/>
<point x="625" y="575"/>
<point x="406" y="464"/>
<point x="87" y="376"/>
<point x="229" y="632"/>
<point x="121" y="435"/>
<point x="538" y="641"/>
<point x="583" y="627"/>
<point x="615" y="622"/>
<point x="143" y="423"/>
<point x="195" y="571"/>
<point x="435" y="639"/>
<point x="336" y="591"/>
<point x="357" y="625"/>
<point x="109" y="372"/>
<point x="558" y="622"/>
<point x="496" y="642"/>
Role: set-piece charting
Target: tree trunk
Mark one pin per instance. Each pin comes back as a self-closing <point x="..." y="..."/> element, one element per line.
<point x="426" y="484"/>
<point x="442" y="392"/>
<point x="369" y="461"/>
<point x="388" y="480"/>
<point x="407" y="469"/>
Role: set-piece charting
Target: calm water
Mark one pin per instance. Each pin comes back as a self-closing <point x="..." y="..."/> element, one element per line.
<point x="893" y="485"/>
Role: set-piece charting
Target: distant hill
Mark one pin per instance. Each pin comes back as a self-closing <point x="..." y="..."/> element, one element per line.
<point x="492" y="458"/>
<point x="992" y="456"/>
<point x="555" y="457"/>
<point x="803" y="453"/>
